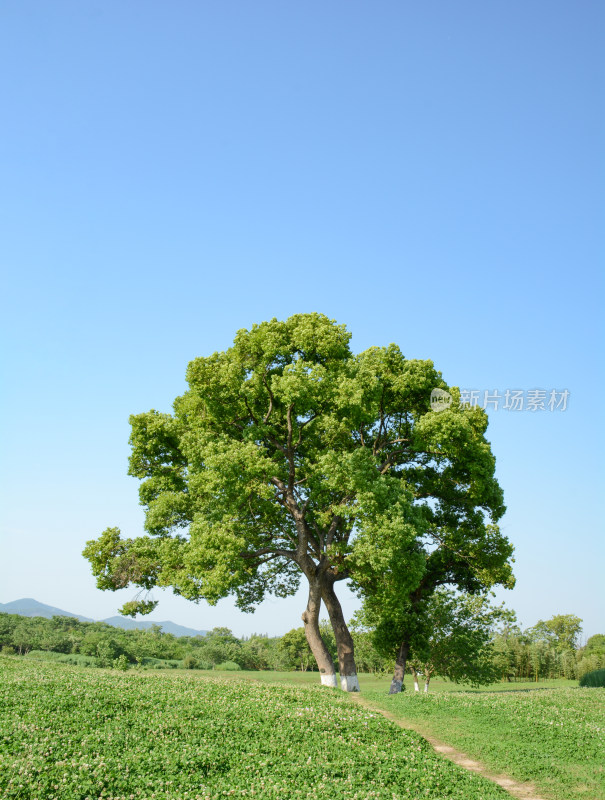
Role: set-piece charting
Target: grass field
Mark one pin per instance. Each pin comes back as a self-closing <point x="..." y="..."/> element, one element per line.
<point x="550" y="733"/>
<point x="554" y="738"/>
<point x="68" y="733"/>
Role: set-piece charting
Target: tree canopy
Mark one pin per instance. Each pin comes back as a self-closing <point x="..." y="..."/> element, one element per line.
<point x="562" y="630"/>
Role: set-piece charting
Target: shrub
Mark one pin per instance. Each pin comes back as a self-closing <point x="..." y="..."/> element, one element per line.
<point x="121" y="663"/>
<point x="7" y="650"/>
<point x="107" y="652"/>
<point x="594" y="679"/>
<point x="228" y="665"/>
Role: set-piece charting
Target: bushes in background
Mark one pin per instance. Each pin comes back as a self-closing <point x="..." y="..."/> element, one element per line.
<point x="594" y="679"/>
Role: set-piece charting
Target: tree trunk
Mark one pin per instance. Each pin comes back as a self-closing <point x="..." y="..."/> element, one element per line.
<point x="415" y="674"/>
<point x="344" y="641"/>
<point x="318" y="647"/>
<point x="429" y="671"/>
<point x="399" y="673"/>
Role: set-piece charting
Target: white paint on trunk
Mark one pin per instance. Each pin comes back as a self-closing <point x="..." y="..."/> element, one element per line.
<point x="426" y="687"/>
<point x="349" y="683"/>
<point x="416" y="687"/>
<point x="329" y="680"/>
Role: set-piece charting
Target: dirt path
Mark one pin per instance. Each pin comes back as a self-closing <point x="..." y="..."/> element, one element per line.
<point x="522" y="791"/>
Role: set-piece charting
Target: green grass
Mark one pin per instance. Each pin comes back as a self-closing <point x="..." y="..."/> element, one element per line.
<point x="77" y="734"/>
<point x="369" y="682"/>
<point x="554" y="738"/>
<point x="63" y="658"/>
<point x="550" y="733"/>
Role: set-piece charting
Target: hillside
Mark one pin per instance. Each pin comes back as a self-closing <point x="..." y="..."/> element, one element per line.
<point x="28" y="607"/>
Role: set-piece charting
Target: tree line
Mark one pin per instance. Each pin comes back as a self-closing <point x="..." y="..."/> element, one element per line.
<point x="547" y="650"/>
<point x="480" y="646"/>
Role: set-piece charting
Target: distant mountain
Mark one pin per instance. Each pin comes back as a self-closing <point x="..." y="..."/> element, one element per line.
<point x="28" y="607"/>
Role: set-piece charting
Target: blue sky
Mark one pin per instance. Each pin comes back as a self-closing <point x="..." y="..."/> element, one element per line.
<point x="430" y="174"/>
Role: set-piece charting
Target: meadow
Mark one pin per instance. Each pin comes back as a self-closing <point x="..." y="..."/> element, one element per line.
<point x="553" y="737"/>
<point x="550" y="733"/>
<point x="68" y="732"/>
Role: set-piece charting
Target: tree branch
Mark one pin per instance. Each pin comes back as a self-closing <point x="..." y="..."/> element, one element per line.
<point x="274" y="551"/>
<point x="393" y="441"/>
<point x="336" y="520"/>
<point x="271" y="399"/>
<point x="290" y="453"/>
<point x="250" y="412"/>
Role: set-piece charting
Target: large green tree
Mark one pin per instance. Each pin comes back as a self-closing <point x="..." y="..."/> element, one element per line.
<point x="288" y="456"/>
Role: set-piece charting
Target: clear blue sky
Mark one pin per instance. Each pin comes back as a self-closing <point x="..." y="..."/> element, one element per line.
<point x="430" y="174"/>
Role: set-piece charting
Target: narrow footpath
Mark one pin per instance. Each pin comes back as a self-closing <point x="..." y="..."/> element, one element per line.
<point x="522" y="791"/>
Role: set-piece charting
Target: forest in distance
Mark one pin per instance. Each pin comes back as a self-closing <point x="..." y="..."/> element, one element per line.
<point x="548" y="650"/>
